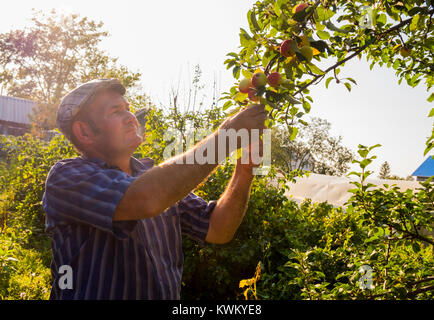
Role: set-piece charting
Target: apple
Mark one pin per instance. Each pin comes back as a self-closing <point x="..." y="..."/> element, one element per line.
<point x="244" y="85"/>
<point x="301" y="7"/>
<point x="259" y="79"/>
<point x="274" y="79"/>
<point x="286" y="48"/>
<point x="307" y="52"/>
<point x="252" y="95"/>
<point x="405" y="52"/>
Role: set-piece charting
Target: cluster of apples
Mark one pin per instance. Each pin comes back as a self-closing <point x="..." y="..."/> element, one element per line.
<point x="274" y="79"/>
<point x="251" y="85"/>
<point x="260" y="80"/>
<point x="287" y="47"/>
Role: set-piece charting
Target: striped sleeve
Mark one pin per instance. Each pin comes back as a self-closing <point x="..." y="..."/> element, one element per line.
<point x="82" y="193"/>
<point x="195" y="215"/>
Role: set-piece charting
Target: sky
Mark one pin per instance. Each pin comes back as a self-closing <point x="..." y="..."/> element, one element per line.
<point x="164" y="40"/>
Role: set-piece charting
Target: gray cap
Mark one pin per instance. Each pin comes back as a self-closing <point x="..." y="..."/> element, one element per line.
<point x="72" y="103"/>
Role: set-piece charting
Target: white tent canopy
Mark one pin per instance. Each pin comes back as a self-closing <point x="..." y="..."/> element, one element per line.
<point x="334" y="190"/>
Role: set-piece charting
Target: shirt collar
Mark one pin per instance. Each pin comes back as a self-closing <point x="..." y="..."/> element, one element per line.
<point x="136" y="165"/>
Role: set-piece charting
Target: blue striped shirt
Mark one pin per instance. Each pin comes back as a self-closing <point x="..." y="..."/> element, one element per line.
<point x="140" y="259"/>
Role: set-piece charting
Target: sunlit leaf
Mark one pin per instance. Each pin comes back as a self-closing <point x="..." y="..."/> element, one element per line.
<point x="323" y="35"/>
<point x="324" y="14"/>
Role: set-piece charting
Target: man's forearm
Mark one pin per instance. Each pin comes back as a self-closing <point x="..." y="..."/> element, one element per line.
<point x="160" y="187"/>
<point x="230" y="209"/>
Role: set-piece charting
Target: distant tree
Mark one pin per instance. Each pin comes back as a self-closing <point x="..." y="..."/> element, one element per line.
<point x="395" y="177"/>
<point x="51" y="57"/>
<point x="384" y="171"/>
<point x="313" y="143"/>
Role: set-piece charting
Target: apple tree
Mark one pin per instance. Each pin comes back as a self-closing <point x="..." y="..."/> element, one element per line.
<point x="287" y="39"/>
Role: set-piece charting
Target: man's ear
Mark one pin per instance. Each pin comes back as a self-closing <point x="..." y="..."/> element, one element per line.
<point x="82" y="132"/>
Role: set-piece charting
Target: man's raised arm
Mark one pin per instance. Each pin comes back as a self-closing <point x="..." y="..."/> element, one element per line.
<point x="162" y="186"/>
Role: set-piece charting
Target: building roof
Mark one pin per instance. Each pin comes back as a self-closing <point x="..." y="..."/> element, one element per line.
<point x="16" y="109"/>
<point x="426" y="169"/>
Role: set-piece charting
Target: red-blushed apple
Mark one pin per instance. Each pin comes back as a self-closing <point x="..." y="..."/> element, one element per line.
<point x="301" y="6"/>
<point x="252" y="95"/>
<point x="259" y="79"/>
<point x="274" y="79"/>
<point x="286" y="48"/>
<point x="244" y="85"/>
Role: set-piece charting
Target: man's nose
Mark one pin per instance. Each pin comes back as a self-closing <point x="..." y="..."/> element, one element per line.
<point x="130" y="117"/>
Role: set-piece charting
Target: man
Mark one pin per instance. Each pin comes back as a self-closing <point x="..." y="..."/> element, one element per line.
<point x="115" y="221"/>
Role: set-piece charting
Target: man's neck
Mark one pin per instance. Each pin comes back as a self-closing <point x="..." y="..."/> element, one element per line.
<point x="124" y="162"/>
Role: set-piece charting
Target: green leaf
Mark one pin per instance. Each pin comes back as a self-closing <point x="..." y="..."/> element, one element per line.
<point x="348" y="85"/>
<point x="323" y="35"/>
<point x="382" y="18"/>
<point x="227" y="105"/>
<point x="431" y="113"/>
<point x="414" y="22"/>
<point x="293" y="133"/>
<point x="319" y="26"/>
<point x="246" y="40"/>
<point x="277" y="9"/>
<point x="416" y="247"/>
<point x="363" y="152"/>
<point x="299" y="16"/>
<point x="376" y="146"/>
<point x="431" y="98"/>
<point x="315" y="69"/>
<point x="352" y="80"/>
<point x="332" y="27"/>
<point x="364" y="163"/>
<point x="415" y="10"/>
<point x="251" y="17"/>
<point x="246" y="74"/>
<point x="236" y="72"/>
<point x="291" y="100"/>
<point x="240" y="97"/>
<point x="321" y="46"/>
<point x="306" y="106"/>
<point x="324" y="14"/>
<point x="355" y="173"/>
<point x="303" y="122"/>
<point x="328" y="81"/>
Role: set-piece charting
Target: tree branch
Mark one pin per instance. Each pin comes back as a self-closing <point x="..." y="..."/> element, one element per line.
<point x="358" y="50"/>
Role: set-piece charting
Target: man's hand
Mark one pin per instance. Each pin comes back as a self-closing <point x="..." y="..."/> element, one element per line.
<point x="252" y="117"/>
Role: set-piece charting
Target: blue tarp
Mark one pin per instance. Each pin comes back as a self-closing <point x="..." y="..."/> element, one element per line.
<point x="426" y="169"/>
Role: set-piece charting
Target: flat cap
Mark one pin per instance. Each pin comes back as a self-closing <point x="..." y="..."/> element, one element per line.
<point x="72" y="102"/>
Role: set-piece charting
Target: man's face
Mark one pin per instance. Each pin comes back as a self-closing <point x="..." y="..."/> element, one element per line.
<point x="117" y="126"/>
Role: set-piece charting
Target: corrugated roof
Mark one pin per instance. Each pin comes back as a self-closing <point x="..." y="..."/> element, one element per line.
<point x="15" y="109"/>
<point x="426" y="169"/>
